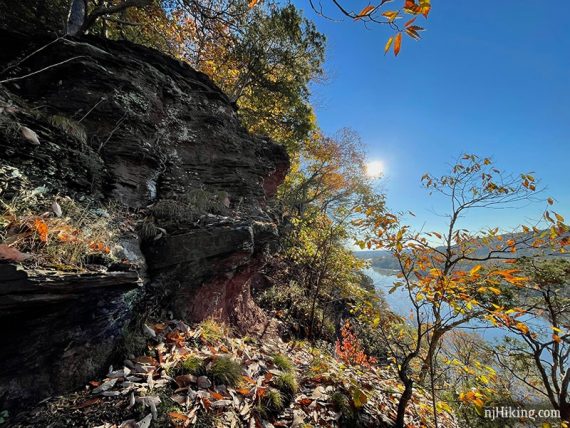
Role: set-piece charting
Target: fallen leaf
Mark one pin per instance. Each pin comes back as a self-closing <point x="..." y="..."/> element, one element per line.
<point x="145" y="422"/>
<point x="56" y="208"/>
<point x="105" y="386"/>
<point x="178" y="419"/>
<point x="30" y="135"/>
<point x="88" y="403"/>
<point x="12" y="255"/>
<point x="217" y="396"/>
<point x="185" y="380"/>
<point x="149" y="331"/>
<point x="221" y="403"/>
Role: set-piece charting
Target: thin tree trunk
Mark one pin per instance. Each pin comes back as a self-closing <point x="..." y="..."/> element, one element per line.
<point x="433" y="397"/>
<point x="403" y="404"/>
<point x="76" y="18"/>
<point x="565" y="411"/>
<point x="434" y="343"/>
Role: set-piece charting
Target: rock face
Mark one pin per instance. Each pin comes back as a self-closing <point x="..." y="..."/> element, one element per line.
<point x="56" y="328"/>
<point x="125" y="125"/>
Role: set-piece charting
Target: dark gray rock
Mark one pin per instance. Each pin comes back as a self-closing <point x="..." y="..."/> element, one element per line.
<point x="126" y="125"/>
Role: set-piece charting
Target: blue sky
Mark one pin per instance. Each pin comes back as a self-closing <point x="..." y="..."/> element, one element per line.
<point x="491" y="78"/>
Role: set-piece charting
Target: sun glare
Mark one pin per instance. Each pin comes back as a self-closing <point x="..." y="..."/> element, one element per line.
<point x="374" y="169"/>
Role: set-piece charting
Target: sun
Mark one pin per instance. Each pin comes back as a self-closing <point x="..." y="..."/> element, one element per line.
<point x="374" y="169"/>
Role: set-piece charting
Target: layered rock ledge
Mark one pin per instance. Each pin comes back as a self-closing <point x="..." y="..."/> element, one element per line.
<point x="124" y="126"/>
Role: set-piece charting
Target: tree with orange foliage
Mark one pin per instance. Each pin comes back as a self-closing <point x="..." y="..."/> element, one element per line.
<point x="539" y="359"/>
<point x="456" y="276"/>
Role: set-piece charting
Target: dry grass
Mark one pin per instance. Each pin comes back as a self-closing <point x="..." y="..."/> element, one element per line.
<point x="77" y="237"/>
<point x="212" y="331"/>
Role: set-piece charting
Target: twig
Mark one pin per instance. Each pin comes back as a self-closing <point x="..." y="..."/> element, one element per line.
<point x="13" y="79"/>
<point x="92" y="108"/>
<point x="117" y="126"/>
<point x="31" y="55"/>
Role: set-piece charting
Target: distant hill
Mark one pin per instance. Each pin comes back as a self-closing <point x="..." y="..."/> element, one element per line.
<point x="383" y="260"/>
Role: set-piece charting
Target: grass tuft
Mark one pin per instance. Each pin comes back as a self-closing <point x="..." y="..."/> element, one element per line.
<point x="192" y="365"/>
<point x="213" y="331"/>
<point x="287" y="384"/>
<point x="283" y="362"/>
<point x="225" y="370"/>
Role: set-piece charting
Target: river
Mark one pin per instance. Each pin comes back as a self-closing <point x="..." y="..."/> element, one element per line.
<point x="400" y="303"/>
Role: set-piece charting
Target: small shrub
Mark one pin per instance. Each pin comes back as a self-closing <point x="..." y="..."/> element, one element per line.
<point x="350" y="350"/>
<point x="282" y="362"/>
<point x="319" y="366"/>
<point x="224" y="370"/>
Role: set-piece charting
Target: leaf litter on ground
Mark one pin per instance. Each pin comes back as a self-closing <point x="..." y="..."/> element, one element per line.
<point x="152" y="390"/>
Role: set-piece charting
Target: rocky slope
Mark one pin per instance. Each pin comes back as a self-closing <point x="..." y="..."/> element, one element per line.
<point x="204" y="377"/>
<point x="126" y="132"/>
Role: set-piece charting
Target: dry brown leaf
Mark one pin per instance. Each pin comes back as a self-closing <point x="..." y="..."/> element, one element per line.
<point x="12" y="255"/>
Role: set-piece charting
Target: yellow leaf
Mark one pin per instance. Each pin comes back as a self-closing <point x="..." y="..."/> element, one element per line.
<point x="495" y="290"/>
<point x="388" y="45"/>
<point x="391" y="15"/>
<point x="522" y="327"/>
<point x="397" y="44"/>
<point x="559" y="217"/>
<point x="475" y="269"/>
<point x="425" y="7"/>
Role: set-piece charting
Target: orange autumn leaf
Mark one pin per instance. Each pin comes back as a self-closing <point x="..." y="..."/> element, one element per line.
<point x="397" y="44"/>
<point x="252" y="3"/>
<point x="365" y="12"/>
<point x="41" y="228"/>
<point x="178" y="419"/>
<point x="249" y="380"/>
<point x="410" y="22"/>
<point x="217" y="396"/>
<point x="390" y="15"/>
<point x="206" y="403"/>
